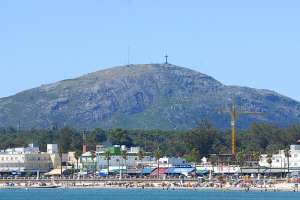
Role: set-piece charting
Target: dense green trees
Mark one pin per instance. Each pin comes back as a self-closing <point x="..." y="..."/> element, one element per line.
<point x="119" y="136"/>
<point x="193" y="156"/>
<point x="193" y="144"/>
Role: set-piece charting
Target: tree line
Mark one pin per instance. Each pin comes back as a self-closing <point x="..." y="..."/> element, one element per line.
<point x="192" y="144"/>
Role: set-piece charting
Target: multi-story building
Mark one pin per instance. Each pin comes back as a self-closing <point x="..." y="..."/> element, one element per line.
<point x="281" y="161"/>
<point x="97" y="161"/>
<point x="117" y="161"/>
<point x="172" y="161"/>
<point x="132" y="162"/>
<point x="88" y="162"/>
<point x="27" y="159"/>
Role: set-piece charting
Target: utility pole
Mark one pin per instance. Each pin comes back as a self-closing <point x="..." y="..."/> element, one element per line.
<point x="84" y="145"/>
<point x="19" y="126"/>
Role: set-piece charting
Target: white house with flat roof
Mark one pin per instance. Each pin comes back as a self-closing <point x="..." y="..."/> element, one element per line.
<point x="27" y="159"/>
<point x="280" y="160"/>
<point x="116" y="160"/>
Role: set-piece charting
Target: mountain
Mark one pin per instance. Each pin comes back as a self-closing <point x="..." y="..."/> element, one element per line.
<point x="149" y="96"/>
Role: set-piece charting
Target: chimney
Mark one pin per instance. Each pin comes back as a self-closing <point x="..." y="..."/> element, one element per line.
<point x="84" y="145"/>
<point x="84" y="148"/>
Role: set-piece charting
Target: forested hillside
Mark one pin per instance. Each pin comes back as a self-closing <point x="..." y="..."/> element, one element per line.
<point x="201" y="141"/>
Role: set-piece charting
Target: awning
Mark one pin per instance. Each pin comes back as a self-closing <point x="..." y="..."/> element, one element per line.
<point x="203" y="171"/>
<point x="176" y="170"/>
<point x="147" y="170"/>
<point x="55" y="172"/>
<point x="133" y="171"/>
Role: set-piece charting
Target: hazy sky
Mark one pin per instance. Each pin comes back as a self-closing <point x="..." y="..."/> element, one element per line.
<point x="252" y="43"/>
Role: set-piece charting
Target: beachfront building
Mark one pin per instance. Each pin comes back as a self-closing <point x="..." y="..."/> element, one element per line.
<point x="96" y="161"/>
<point x="88" y="162"/>
<point x="72" y="160"/>
<point x="131" y="164"/>
<point x="172" y="161"/>
<point x="117" y="161"/>
<point x="217" y="164"/>
<point x="27" y="160"/>
<point x="281" y="161"/>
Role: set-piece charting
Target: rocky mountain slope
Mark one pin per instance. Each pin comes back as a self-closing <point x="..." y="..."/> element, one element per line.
<point x="150" y="96"/>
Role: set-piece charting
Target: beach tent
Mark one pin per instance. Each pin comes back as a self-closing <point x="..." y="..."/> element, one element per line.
<point x="55" y="172"/>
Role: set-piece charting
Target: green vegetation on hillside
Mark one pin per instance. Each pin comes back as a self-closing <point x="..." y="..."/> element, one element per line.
<point x="193" y="144"/>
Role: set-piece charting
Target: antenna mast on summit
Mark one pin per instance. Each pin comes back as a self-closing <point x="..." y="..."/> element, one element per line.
<point x="128" y="55"/>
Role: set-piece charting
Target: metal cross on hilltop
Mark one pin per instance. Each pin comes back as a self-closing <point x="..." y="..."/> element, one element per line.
<point x="166" y="56"/>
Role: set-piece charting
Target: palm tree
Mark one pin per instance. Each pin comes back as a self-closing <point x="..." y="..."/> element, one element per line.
<point x="157" y="155"/>
<point x="107" y="157"/>
<point x="269" y="160"/>
<point x="141" y="156"/>
<point x="240" y="158"/>
<point x="77" y="156"/>
<point x="194" y="156"/>
<point x="256" y="157"/>
<point x="94" y="163"/>
<point x="287" y="155"/>
<point x="120" y="172"/>
<point x="124" y="156"/>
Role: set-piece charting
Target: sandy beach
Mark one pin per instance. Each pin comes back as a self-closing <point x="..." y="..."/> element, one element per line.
<point x="164" y="185"/>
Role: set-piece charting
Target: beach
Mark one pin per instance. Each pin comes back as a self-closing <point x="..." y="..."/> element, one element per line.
<point x="151" y="184"/>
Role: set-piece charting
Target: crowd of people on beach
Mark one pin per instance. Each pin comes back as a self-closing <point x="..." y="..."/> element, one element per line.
<point x="162" y="184"/>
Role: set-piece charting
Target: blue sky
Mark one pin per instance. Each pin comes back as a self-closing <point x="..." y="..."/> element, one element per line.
<point x="252" y="43"/>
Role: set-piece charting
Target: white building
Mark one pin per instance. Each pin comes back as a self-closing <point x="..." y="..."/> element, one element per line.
<point x="52" y="148"/>
<point x="27" y="159"/>
<point x="172" y="161"/>
<point x="117" y="161"/>
<point x="280" y="160"/>
<point x="98" y="161"/>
